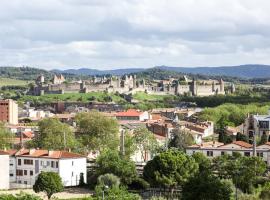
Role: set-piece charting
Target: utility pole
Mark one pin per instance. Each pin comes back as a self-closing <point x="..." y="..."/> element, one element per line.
<point x="123" y="142"/>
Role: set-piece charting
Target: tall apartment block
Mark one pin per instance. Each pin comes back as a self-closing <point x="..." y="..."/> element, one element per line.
<point x="9" y="111"/>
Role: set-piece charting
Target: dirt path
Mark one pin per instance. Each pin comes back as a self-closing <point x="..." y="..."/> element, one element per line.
<point x="66" y="194"/>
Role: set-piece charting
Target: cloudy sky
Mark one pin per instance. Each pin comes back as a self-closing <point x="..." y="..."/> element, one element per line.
<point x="105" y="34"/>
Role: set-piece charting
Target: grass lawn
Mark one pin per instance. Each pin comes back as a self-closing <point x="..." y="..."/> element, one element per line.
<point x="9" y="81"/>
<point x="84" y="97"/>
<point x="142" y="96"/>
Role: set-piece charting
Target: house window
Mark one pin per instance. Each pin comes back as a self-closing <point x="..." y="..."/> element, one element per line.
<point x="11" y="175"/>
<point x="41" y="163"/>
<point x="247" y="154"/>
<point x="19" y="172"/>
<point x="28" y="162"/>
<point x="25" y="182"/>
<point x="222" y="153"/>
<point x="19" y="161"/>
<point x="31" y="173"/>
<point x="210" y="153"/>
<point x="72" y="174"/>
<point x="72" y="163"/>
<point x="25" y="172"/>
<point x="52" y="164"/>
<point x="56" y="164"/>
<point x="260" y="154"/>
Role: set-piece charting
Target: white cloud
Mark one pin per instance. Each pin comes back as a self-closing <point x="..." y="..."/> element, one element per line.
<point x="136" y="33"/>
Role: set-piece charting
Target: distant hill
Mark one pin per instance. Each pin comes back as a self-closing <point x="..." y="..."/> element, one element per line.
<point x="23" y="73"/>
<point x="241" y="71"/>
<point x="95" y="72"/>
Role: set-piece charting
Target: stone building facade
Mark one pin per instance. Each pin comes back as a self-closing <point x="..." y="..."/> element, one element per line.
<point x="129" y="84"/>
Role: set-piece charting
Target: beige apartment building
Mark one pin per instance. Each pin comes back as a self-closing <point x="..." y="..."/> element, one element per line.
<point x="9" y="111"/>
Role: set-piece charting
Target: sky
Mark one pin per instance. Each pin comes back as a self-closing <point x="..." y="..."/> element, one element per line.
<point x="110" y="34"/>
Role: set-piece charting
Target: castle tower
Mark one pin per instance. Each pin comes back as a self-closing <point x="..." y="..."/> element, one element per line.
<point x="177" y="88"/>
<point x="118" y="82"/>
<point x="40" y="80"/>
<point x="82" y="85"/>
<point x="194" y="87"/>
<point x="134" y="81"/>
<point x="232" y="88"/>
<point x="221" y="82"/>
<point x="213" y="86"/>
<point x="94" y="79"/>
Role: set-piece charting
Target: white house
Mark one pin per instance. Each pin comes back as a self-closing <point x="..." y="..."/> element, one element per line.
<point x="4" y="170"/>
<point x="132" y="115"/>
<point x="214" y="149"/>
<point x="26" y="165"/>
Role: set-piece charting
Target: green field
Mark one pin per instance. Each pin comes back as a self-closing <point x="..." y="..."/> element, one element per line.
<point x="83" y="97"/>
<point x="15" y="82"/>
<point x="142" y="96"/>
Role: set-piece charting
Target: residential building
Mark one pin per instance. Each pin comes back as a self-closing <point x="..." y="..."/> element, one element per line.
<point x="4" y="170"/>
<point x="132" y="115"/>
<point x="214" y="149"/>
<point x="27" y="164"/>
<point x="257" y="124"/>
<point x="9" y="111"/>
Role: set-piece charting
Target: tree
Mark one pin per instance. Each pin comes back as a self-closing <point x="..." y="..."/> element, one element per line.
<point x="170" y="169"/>
<point x="243" y="170"/>
<point x="145" y="142"/>
<point x="116" y="193"/>
<point x="111" y="162"/>
<point x="203" y="162"/>
<point x="109" y="180"/>
<point x="48" y="182"/>
<point x="97" y="131"/>
<point x="6" y="137"/>
<point x="242" y="137"/>
<point x="81" y="181"/>
<point x="265" y="193"/>
<point x="206" y="186"/>
<point x="264" y="139"/>
<point x="54" y="134"/>
<point x="181" y="139"/>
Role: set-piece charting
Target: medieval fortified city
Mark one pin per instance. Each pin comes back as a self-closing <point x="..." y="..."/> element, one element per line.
<point x="134" y="100"/>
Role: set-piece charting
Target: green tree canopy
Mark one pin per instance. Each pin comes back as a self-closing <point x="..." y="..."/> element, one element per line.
<point x="206" y="187"/>
<point x="54" y="134"/>
<point x="111" y="162"/>
<point x="181" y="139"/>
<point x="145" y="141"/>
<point x="109" y="180"/>
<point x="243" y="170"/>
<point x="170" y="169"/>
<point x="97" y="131"/>
<point x="203" y="162"/>
<point x="6" y="137"/>
<point x="48" y="182"/>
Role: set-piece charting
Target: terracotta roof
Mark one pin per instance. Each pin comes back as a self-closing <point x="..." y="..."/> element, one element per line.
<point x="44" y="153"/>
<point x="129" y="113"/>
<point x="243" y="144"/>
<point x="3" y="152"/>
<point x="28" y="134"/>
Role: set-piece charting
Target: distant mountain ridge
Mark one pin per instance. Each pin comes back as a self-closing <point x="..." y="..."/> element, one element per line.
<point x="241" y="71"/>
<point x="93" y="72"/>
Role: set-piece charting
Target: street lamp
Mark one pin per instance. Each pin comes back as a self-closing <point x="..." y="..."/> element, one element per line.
<point x="105" y="187"/>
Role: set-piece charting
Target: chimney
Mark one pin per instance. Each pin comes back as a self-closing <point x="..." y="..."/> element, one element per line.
<point x="31" y="151"/>
<point x="50" y="152"/>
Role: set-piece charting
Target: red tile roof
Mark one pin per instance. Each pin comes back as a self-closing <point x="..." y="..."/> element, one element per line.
<point x="3" y="153"/>
<point x="28" y="134"/>
<point x="43" y="153"/>
<point x="129" y="113"/>
<point x="243" y="144"/>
